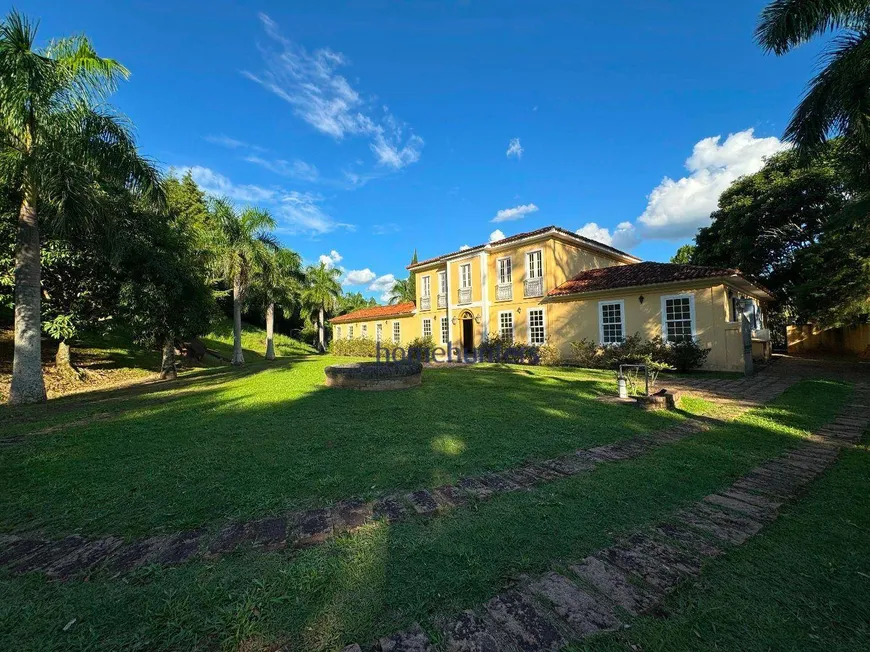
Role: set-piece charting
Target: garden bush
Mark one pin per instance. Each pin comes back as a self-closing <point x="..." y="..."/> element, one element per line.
<point x="359" y="347"/>
<point x="683" y="356"/>
<point x="549" y="355"/>
<point x="499" y="349"/>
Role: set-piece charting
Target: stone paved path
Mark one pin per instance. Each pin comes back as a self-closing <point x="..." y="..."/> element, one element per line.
<point x="78" y="556"/>
<point x="605" y="590"/>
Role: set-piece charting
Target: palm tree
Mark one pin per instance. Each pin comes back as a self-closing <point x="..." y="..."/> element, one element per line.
<point x="836" y="101"/>
<point x="61" y="152"/>
<point x="403" y="290"/>
<point x="321" y="295"/>
<point x="279" y="281"/>
<point x="241" y="245"/>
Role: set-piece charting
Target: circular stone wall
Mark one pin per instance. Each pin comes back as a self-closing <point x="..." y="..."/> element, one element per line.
<point x="374" y="376"/>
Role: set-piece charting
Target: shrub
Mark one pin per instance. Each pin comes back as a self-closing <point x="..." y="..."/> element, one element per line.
<point x="359" y="347"/>
<point x="494" y="348"/>
<point x="686" y="355"/>
<point x="498" y="349"/>
<point x="683" y="356"/>
<point x="420" y="349"/>
<point x="549" y="355"/>
<point x="585" y="353"/>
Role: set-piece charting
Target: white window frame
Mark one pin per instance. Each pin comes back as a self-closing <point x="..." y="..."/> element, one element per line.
<point x="338" y="332"/>
<point x="427" y="322"/>
<point x="445" y="330"/>
<point x="442" y="282"/>
<point x="529" y="325"/>
<point x="529" y="267"/>
<point x="379" y="332"/>
<point x="501" y="314"/>
<point x="397" y="332"/>
<point x="427" y="287"/>
<point x="350" y="332"/>
<point x="498" y="266"/>
<point x="601" y="304"/>
<point x="465" y="278"/>
<point x="682" y="295"/>
<point x="364" y="331"/>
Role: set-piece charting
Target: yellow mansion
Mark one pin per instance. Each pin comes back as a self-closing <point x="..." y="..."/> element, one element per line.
<point x="554" y="286"/>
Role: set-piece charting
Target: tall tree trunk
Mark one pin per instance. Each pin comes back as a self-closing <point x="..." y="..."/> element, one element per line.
<point x="28" y="385"/>
<point x="270" y="331"/>
<point x="238" y="356"/>
<point x="63" y="361"/>
<point x="320" y="331"/>
<point x="167" y="367"/>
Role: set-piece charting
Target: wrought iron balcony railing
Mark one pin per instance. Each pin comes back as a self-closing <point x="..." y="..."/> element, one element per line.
<point x="534" y="287"/>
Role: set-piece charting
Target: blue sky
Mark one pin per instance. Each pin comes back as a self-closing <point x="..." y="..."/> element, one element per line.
<point x="373" y="128"/>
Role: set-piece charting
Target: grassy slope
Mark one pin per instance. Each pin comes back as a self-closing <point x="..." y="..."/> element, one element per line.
<point x="112" y="360"/>
<point x="370" y="583"/>
<point x="803" y="584"/>
<point x="243" y="443"/>
<point x="253" y="342"/>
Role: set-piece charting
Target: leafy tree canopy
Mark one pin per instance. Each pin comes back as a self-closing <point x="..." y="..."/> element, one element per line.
<point x="684" y="255"/>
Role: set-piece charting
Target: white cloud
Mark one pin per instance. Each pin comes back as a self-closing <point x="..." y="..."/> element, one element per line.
<point x="381" y="283"/>
<point x="319" y="95"/>
<point x="496" y="235"/>
<point x="592" y="231"/>
<point x="515" y="149"/>
<point x="359" y="277"/>
<point x="331" y="259"/>
<point x="385" y="229"/>
<point x="232" y="143"/>
<point x="464" y="247"/>
<point x="295" y="169"/>
<point x="296" y="212"/>
<point x="390" y="155"/>
<point x="676" y="209"/>
<point x="515" y="213"/>
<point x="218" y="185"/>
<point x="623" y="237"/>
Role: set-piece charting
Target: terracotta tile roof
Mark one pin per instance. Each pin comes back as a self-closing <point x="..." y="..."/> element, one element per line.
<point x="623" y="276"/>
<point x="527" y="234"/>
<point x="376" y="312"/>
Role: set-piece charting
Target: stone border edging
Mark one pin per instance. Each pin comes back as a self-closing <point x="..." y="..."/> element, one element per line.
<point x="605" y="590"/>
<point x="75" y="555"/>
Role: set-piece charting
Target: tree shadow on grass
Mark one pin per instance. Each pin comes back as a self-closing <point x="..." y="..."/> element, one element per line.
<point x="259" y="441"/>
<point x="383" y="578"/>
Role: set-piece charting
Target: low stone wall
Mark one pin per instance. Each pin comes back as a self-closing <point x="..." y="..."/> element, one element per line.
<point x="374" y="376"/>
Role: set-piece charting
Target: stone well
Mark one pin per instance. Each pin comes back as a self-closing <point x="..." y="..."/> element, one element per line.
<point x="374" y="376"/>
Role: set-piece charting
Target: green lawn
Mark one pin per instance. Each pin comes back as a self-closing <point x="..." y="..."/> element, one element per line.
<point x="372" y="582"/>
<point x="228" y="443"/>
<point x="253" y="342"/>
<point x="803" y="584"/>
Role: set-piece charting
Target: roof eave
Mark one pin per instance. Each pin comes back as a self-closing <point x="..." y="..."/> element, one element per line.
<point x="735" y="279"/>
<point x="549" y="233"/>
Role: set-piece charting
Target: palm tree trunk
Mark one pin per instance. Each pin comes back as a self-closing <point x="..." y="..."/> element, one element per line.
<point x="320" y="331"/>
<point x="167" y="367"/>
<point x="270" y="331"/>
<point x="238" y="356"/>
<point x="27" y="382"/>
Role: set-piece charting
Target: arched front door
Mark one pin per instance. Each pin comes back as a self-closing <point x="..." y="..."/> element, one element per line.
<point x="467" y="320"/>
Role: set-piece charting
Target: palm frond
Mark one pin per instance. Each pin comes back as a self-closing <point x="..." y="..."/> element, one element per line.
<point x="785" y="24"/>
<point x="838" y="98"/>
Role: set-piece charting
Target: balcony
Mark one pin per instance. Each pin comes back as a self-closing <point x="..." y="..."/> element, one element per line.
<point x="533" y="287"/>
<point x="425" y="303"/>
<point x="442" y="300"/>
<point x="504" y="292"/>
<point x="464" y="295"/>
